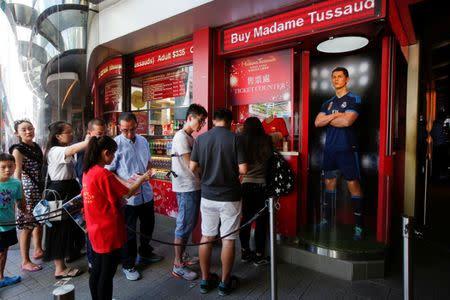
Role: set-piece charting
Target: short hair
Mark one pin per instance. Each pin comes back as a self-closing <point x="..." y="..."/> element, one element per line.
<point x="342" y="69"/>
<point x="223" y="114"/>
<point x="97" y="122"/>
<point x="196" y="110"/>
<point x="7" y="157"/>
<point x="127" y="116"/>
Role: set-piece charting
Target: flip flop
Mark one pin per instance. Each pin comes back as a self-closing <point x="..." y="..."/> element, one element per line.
<point x="70" y="272"/>
<point x="35" y="268"/>
<point x="9" y="281"/>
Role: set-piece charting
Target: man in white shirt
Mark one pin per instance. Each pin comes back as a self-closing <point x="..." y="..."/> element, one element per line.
<point x="186" y="184"/>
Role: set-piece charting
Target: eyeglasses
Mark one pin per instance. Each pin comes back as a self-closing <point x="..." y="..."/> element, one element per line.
<point x="201" y="121"/>
<point x="126" y="131"/>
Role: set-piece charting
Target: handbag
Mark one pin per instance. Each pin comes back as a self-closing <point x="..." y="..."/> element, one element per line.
<point x="47" y="211"/>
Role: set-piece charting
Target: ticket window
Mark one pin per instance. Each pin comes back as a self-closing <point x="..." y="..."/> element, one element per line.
<point x="262" y="86"/>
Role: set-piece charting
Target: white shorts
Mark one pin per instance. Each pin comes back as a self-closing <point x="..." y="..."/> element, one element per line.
<point x="227" y="215"/>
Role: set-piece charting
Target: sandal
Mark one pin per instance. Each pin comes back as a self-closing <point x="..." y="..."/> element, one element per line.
<point x="34" y="268"/>
<point x="9" y="281"/>
<point x="68" y="273"/>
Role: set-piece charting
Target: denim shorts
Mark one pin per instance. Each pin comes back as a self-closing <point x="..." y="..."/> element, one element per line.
<point x="188" y="210"/>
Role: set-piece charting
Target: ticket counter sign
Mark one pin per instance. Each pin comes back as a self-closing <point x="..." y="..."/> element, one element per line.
<point x="261" y="78"/>
<point x="300" y="22"/>
<point x="168" y="57"/>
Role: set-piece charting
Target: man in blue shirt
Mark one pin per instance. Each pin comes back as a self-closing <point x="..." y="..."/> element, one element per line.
<point x="131" y="158"/>
<point x="338" y="115"/>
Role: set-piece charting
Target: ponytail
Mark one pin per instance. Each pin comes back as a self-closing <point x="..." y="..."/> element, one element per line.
<point x="94" y="150"/>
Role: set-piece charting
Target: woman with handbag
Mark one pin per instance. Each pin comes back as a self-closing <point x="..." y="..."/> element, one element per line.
<point x="29" y="158"/>
<point x="64" y="238"/>
<point x="258" y="150"/>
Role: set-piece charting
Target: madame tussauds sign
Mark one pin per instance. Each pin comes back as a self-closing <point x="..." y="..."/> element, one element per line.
<point x="302" y="21"/>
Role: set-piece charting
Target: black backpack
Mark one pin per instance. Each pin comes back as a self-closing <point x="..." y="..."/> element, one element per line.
<point x="280" y="178"/>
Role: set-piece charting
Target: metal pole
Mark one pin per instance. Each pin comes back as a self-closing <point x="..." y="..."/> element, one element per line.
<point x="64" y="292"/>
<point x="407" y="261"/>
<point x="425" y="196"/>
<point x="273" y="256"/>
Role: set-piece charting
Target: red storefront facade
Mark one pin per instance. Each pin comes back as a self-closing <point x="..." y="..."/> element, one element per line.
<point x="288" y="74"/>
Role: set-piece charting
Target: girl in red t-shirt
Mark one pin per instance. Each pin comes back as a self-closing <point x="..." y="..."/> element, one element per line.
<point x="103" y="195"/>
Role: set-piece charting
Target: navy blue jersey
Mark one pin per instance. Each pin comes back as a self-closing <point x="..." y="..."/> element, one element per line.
<point x="341" y="138"/>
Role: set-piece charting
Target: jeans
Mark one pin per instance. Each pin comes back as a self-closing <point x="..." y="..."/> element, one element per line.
<point x="188" y="210"/>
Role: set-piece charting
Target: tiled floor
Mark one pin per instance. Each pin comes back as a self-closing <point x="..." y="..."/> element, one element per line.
<point x="294" y="282"/>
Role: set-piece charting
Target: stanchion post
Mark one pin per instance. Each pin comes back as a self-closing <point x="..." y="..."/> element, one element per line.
<point x="273" y="256"/>
<point x="408" y="231"/>
<point x="64" y="292"/>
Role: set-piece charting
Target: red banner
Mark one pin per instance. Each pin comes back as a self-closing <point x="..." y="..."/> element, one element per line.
<point x="261" y="78"/>
<point x="165" y="85"/>
<point x="113" y="96"/>
<point x="171" y="56"/>
<point x="299" y="22"/>
<point x="109" y="69"/>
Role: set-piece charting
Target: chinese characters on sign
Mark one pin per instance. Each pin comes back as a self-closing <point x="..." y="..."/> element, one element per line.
<point x="261" y="78"/>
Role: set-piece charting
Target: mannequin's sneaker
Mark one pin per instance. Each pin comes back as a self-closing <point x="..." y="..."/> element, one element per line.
<point x="209" y="284"/>
<point x="357" y="236"/>
<point x="184" y="272"/>
<point x="131" y="274"/>
<point x="189" y="260"/>
<point x="246" y="255"/>
<point x="260" y="260"/>
<point x="324" y="224"/>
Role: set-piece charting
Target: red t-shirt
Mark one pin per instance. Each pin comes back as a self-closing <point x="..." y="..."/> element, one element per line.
<point x="277" y="125"/>
<point x="105" y="220"/>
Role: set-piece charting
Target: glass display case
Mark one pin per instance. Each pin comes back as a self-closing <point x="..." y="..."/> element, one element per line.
<point x="160" y="102"/>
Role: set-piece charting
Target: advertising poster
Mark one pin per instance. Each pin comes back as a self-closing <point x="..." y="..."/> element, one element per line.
<point x="261" y="78"/>
<point x="142" y="118"/>
<point x="166" y="85"/>
<point x="113" y="96"/>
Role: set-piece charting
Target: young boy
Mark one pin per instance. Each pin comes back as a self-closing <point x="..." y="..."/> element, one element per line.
<point x="10" y="192"/>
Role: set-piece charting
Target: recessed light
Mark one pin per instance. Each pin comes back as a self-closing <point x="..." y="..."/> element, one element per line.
<point x="342" y="44"/>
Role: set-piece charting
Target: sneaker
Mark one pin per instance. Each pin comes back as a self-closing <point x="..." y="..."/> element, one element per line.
<point x="259" y="260"/>
<point x="323" y="224"/>
<point x="9" y="281"/>
<point x="149" y="259"/>
<point x="226" y="288"/>
<point x="357" y="236"/>
<point x="131" y="274"/>
<point x="189" y="260"/>
<point x="246" y="255"/>
<point x="209" y="284"/>
<point x="184" y="272"/>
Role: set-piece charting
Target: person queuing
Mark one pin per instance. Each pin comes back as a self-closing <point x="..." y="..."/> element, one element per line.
<point x="220" y="155"/>
<point x="11" y="193"/>
<point x="186" y="185"/>
<point x="103" y="200"/>
<point x="64" y="239"/>
<point x="96" y="127"/>
<point x="29" y="159"/>
<point x="133" y="158"/>
<point x="338" y="115"/>
<point x="258" y="149"/>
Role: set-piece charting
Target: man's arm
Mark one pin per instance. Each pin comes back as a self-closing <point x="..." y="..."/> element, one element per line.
<point x="345" y="119"/>
<point x="193" y="165"/>
<point x="323" y="119"/>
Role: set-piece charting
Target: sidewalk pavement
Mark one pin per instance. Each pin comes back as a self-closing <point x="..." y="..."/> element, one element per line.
<point x="157" y="283"/>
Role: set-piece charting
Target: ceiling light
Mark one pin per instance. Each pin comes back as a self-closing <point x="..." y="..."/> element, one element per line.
<point x="342" y="44"/>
